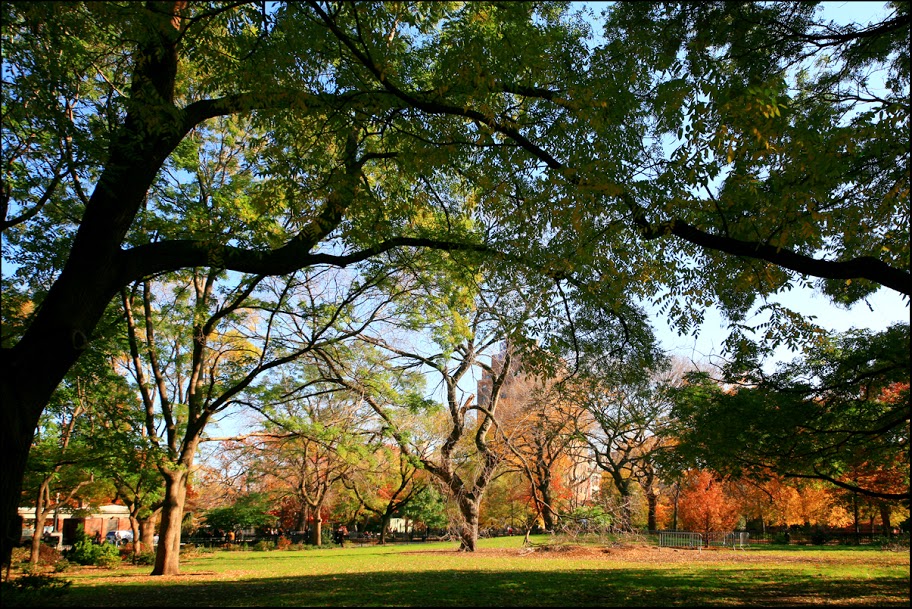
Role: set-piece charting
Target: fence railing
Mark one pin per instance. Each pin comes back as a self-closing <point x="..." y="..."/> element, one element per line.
<point x="680" y="539"/>
<point x="711" y="539"/>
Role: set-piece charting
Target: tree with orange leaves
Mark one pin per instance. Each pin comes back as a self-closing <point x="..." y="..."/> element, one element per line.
<point x="704" y="505"/>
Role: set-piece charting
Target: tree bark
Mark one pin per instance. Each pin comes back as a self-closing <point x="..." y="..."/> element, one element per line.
<point x="318" y="529"/>
<point x="652" y="502"/>
<point x="468" y="530"/>
<point x="167" y="557"/>
<point x="147" y="531"/>
<point x="42" y="509"/>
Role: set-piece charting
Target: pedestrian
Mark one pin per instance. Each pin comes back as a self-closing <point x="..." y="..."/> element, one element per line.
<point x="97" y="538"/>
<point x="341" y="533"/>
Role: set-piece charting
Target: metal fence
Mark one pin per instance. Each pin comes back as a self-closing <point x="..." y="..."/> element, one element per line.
<point x="711" y="539"/>
<point x="737" y="540"/>
<point x="680" y="539"/>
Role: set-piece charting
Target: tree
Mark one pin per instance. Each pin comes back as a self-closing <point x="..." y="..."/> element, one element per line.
<point x="428" y="507"/>
<point x="155" y="78"/>
<point x="69" y="456"/>
<point x="240" y="334"/>
<point x="840" y="414"/>
<point x="313" y="438"/>
<point x="372" y="114"/>
<point x="705" y="506"/>
<point x="129" y="460"/>
<point x="467" y="458"/>
<point x="468" y="325"/>
<point x="539" y="427"/>
<point x="623" y="418"/>
<point x="385" y="484"/>
<point x="248" y="512"/>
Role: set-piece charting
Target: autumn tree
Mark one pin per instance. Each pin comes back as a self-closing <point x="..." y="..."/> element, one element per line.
<point x="704" y="505"/>
<point x="312" y="438"/>
<point x="538" y="427"/>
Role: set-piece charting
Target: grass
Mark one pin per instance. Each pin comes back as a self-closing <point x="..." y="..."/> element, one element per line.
<point x="502" y="574"/>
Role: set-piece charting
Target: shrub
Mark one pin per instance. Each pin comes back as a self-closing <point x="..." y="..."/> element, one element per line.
<point x="819" y="538"/>
<point x="781" y="538"/>
<point x="33" y="590"/>
<point x="263" y="546"/>
<point x="48" y="555"/>
<point x="283" y="543"/>
<point x="86" y="552"/>
<point x="143" y="558"/>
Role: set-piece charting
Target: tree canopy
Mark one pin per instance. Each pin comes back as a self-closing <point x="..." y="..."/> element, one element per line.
<point x="696" y="153"/>
<point x="840" y="414"/>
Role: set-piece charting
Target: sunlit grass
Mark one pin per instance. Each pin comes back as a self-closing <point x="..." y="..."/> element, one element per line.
<point x="434" y="574"/>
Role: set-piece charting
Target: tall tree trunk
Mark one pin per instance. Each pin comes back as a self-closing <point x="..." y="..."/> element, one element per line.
<point x="137" y="541"/>
<point x="303" y="517"/>
<point x="886" y="526"/>
<point x="167" y="557"/>
<point x="20" y="408"/>
<point x="41" y="514"/>
<point x="468" y="528"/>
<point x="652" y="503"/>
<point x="547" y="512"/>
<point x="318" y="529"/>
<point x="384" y="526"/>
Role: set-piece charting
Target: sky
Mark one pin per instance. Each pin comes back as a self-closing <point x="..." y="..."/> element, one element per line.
<point x="878" y="312"/>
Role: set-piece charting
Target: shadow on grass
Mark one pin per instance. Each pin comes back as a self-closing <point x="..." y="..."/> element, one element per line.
<point x="606" y="588"/>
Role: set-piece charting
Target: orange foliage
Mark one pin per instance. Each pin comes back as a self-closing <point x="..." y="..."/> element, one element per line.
<point x="704" y="506"/>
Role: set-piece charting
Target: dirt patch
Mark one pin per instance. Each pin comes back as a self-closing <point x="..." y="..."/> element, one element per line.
<point x="655" y="555"/>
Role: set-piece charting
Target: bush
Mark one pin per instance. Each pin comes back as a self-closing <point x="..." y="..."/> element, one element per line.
<point x="263" y="546"/>
<point x="87" y="552"/>
<point x="33" y="590"/>
<point x="782" y="538"/>
<point x="283" y="543"/>
<point x="819" y="538"/>
<point x="143" y="558"/>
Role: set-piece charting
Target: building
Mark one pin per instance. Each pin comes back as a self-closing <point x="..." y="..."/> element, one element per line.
<point x="63" y="525"/>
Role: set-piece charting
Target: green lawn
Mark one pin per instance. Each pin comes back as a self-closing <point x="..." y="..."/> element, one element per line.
<point x="503" y="574"/>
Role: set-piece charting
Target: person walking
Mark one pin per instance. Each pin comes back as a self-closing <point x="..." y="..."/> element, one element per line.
<point x="341" y="534"/>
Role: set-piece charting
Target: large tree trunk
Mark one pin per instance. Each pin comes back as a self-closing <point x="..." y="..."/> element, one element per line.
<point x="547" y="512"/>
<point x="167" y="558"/>
<point x="886" y="526"/>
<point x="652" y="503"/>
<point x="21" y="403"/>
<point x="384" y="526"/>
<point x="303" y="517"/>
<point x="92" y="275"/>
<point x="318" y="529"/>
<point x="623" y="488"/>
<point x="468" y="529"/>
